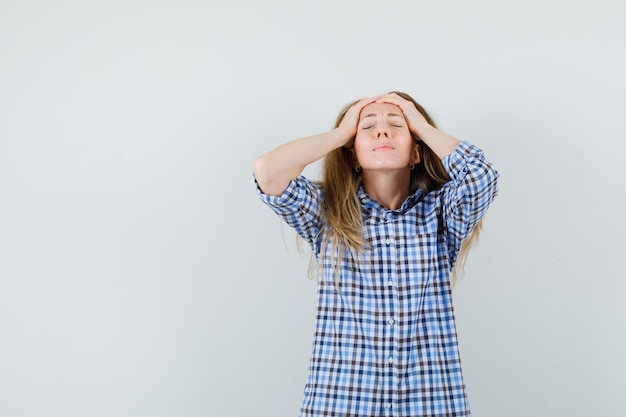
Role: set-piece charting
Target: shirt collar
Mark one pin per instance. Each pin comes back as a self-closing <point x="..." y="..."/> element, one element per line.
<point x="369" y="203"/>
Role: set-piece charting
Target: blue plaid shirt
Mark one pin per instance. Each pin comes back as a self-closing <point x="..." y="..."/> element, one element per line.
<point x="385" y="338"/>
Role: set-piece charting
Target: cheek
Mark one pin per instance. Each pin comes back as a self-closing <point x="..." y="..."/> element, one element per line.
<point x="410" y="142"/>
<point x="356" y="151"/>
<point x="360" y="141"/>
<point x="360" y="153"/>
<point x="360" y="135"/>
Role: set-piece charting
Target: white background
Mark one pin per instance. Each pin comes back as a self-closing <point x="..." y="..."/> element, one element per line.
<point x="141" y="276"/>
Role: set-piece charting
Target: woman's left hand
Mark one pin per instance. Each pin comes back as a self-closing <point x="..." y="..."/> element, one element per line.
<point x="413" y="117"/>
<point x="439" y="142"/>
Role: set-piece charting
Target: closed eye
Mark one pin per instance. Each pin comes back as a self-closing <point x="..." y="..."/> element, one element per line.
<point x="395" y="120"/>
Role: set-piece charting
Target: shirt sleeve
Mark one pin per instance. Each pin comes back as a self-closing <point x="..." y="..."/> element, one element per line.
<point x="467" y="196"/>
<point x="300" y="207"/>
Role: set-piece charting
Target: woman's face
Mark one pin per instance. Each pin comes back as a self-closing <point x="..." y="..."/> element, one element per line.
<point x="383" y="140"/>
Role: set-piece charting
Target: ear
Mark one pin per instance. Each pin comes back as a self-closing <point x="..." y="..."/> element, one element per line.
<point x="416" y="155"/>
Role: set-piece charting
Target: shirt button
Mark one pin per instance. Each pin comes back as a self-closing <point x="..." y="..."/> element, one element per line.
<point x="390" y="283"/>
<point x="390" y="360"/>
<point x="388" y="241"/>
<point x="391" y="321"/>
<point x="387" y="406"/>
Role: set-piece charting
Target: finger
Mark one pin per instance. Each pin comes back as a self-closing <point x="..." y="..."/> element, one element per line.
<point x="391" y="99"/>
<point x="410" y="112"/>
<point x="364" y="102"/>
<point x="355" y="111"/>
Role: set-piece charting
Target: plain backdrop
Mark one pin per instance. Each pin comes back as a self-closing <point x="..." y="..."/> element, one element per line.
<point x="141" y="276"/>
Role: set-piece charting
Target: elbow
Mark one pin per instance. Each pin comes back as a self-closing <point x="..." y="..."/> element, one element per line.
<point x="489" y="175"/>
<point x="494" y="176"/>
<point x="269" y="180"/>
<point x="263" y="175"/>
<point x="258" y="166"/>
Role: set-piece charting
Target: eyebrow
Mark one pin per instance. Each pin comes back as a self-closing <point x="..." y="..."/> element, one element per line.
<point x="374" y="115"/>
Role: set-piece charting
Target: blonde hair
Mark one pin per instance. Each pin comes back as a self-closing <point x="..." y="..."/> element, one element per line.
<point x="342" y="208"/>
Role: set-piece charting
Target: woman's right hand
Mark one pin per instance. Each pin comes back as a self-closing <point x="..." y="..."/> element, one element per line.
<point x="351" y="120"/>
<point x="275" y="169"/>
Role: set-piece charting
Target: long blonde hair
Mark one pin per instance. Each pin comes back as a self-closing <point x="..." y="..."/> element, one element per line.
<point x="342" y="208"/>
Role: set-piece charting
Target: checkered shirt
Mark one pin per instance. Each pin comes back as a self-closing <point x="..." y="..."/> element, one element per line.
<point x="385" y="338"/>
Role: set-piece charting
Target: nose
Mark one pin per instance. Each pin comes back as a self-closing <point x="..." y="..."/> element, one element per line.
<point x="382" y="133"/>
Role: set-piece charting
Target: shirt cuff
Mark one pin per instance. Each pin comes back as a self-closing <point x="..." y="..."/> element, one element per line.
<point x="455" y="164"/>
<point x="287" y="201"/>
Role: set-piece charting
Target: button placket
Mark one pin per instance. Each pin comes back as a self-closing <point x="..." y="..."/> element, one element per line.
<point x="393" y="288"/>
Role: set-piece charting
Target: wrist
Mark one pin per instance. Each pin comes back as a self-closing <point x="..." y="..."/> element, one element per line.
<point x="344" y="136"/>
<point x="422" y="129"/>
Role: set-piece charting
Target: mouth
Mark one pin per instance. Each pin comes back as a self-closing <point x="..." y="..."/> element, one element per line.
<point x="384" y="147"/>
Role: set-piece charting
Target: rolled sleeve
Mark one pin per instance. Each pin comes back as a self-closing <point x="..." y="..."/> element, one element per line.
<point x="473" y="186"/>
<point x="300" y="207"/>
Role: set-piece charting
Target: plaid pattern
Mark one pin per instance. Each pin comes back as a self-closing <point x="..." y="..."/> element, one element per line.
<point x="385" y="338"/>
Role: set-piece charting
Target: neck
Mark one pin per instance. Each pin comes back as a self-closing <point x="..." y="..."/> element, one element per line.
<point x="388" y="188"/>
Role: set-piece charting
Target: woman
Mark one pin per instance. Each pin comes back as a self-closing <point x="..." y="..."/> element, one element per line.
<point x="399" y="203"/>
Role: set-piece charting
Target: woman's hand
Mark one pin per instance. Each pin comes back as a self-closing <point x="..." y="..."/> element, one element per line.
<point x="439" y="142"/>
<point x="348" y="125"/>
<point x="413" y="117"/>
<point x="275" y="169"/>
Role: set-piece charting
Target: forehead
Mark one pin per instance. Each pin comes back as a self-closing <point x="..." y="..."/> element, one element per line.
<point x="380" y="108"/>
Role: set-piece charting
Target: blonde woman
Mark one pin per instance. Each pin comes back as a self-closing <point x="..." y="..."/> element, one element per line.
<point x="399" y="204"/>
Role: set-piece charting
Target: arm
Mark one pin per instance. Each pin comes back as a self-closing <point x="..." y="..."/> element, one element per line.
<point x="474" y="179"/>
<point x="275" y="169"/>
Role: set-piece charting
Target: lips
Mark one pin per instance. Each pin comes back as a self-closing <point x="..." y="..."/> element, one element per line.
<point x="384" y="147"/>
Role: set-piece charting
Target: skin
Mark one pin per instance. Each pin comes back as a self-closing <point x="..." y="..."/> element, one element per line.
<point x="385" y="150"/>
<point x="441" y="143"/>
<point x="386" y="173"/>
